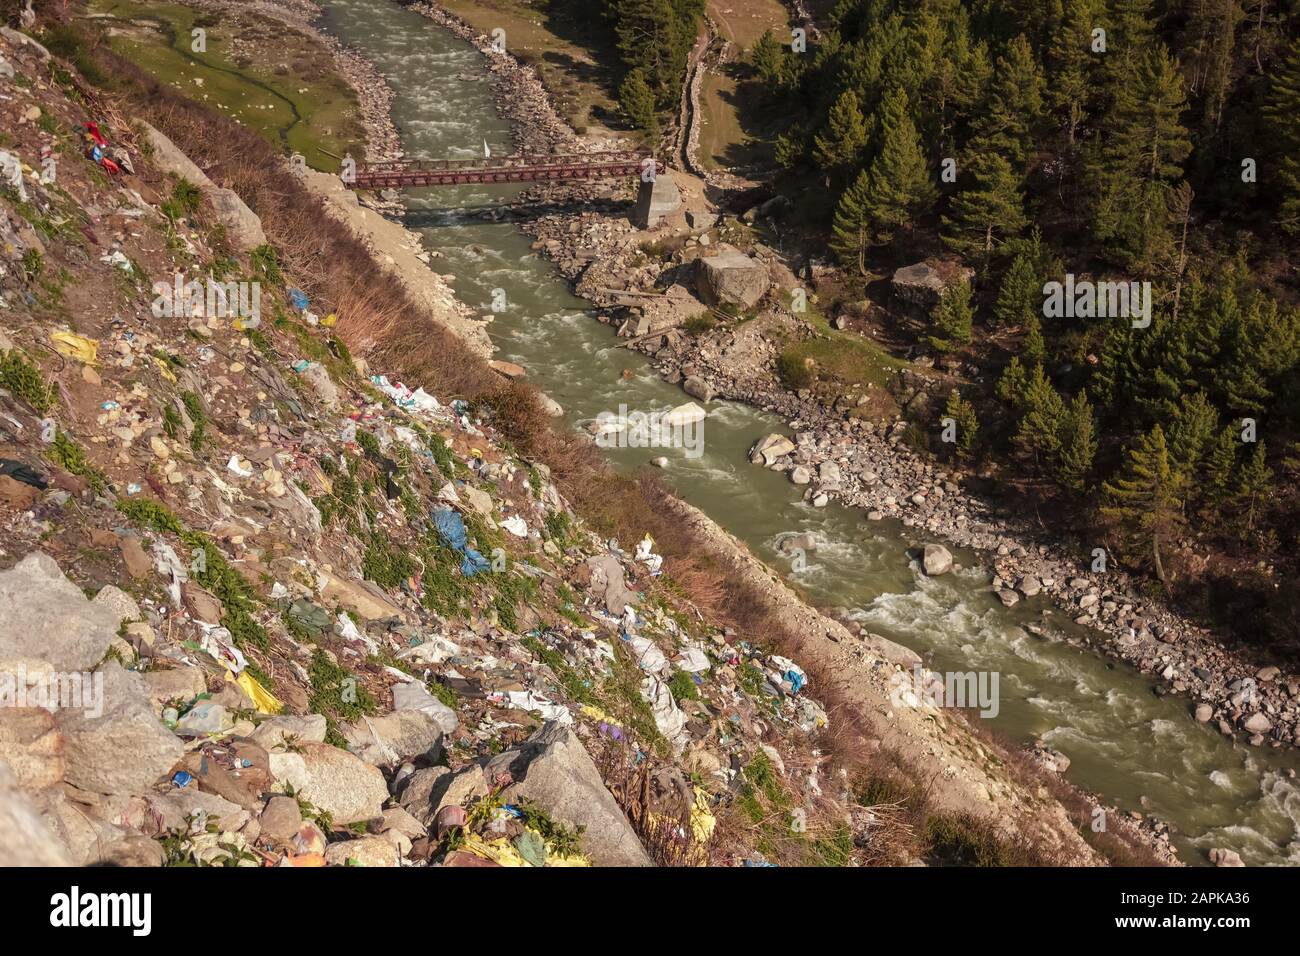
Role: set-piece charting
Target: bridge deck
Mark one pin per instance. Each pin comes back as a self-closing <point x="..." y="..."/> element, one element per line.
<point x="506" y="169"/>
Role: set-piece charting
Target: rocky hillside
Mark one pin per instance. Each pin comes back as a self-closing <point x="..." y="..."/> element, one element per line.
<point x="264" y="604"/>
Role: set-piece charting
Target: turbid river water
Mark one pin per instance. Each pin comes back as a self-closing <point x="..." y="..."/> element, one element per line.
<point x="1138" y="750"/>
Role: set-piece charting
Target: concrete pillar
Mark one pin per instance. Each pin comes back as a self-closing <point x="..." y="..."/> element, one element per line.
<point x="655" y="200"/>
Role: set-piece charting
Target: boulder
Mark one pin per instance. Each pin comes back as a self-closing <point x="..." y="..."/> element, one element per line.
<point x="729" y="277"/>
<point x="920" y="286"/>
<point x="46" y="622"/>
<point x="281" y="818"/>
<point x="936" y="560"/>
<point x="1257" y="724"/>
<point x="242" y="224"/>
<point x="698" y="388"/>
<point x="367" y="851"/>
<point x="362" y="597"/>
<point x="25" y="838"/>
<point x="278" y="731"/>
<point x="174" y="684"/>
<point x="340" y="783"/>
<point x="119" y="602"/>
<point x="125" y="748"/>
<point x="553" y="769"/>
<point x="389" y="740"/>
<point x="769" y="448"/>
<point x="32" y="746"/>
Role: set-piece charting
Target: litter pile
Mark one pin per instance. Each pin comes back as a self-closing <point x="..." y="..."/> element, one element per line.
<point x="335" y="619"/>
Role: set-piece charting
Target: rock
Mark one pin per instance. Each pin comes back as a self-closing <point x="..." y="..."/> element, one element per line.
<point x="1257" y="724"/>
<point x="31" y="746"/>
<point x="389" y="740"/>
<point x="318" y="378"/>
<point x="362" y="597"/>
<point x="367" y="851"/>
<point x="119" y="602"/>
<point x="242" y="224"/>
<point x="176" y="805"/>
<point x="277" y="732"/>
<point x="1268" y="674"/>
<point x="921" y="285"/>
<point x="828" y="473"/>
<point x="413" y="696"/>
<point x="936" y="560"/>
<point x="800" y="475"/>
<point x="698" y="388"/>
<point x="769" y="448"/>
<point x="46" y="623"/>
<point x="25" y="838"/>
<point x="890" y="651"/>
<point x="655" y="200"/>
<point x="124" y="749"/>
<point x="202" y="604"/>
<point x="684" y="415"/>
<point x="16" y="494"/>
<point x="181" y="684"/>
<point x="1223" y="857"/>
<point x="477" y="499"/>
<point x="280" y="820"/>
<point x="553" y="769"/>
<point x="1029" y="585"/>
<point x="701" y="220"/>
<point x="507" y="369"/>
<point x="1008" y="597"/>
<point x="1203" y="713"/>
<point x="550" y="406"/>
<point x="729" y="277"/>
<point x="340" y="783"/>
<point x="419" y="794"/>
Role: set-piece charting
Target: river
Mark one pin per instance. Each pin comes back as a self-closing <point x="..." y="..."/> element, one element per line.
<point x="1138" y="750"/>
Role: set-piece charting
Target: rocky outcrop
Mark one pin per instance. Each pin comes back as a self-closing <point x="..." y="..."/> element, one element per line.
<point x="245" y="228"/>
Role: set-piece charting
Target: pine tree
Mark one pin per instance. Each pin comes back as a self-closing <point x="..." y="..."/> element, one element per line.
<point x="987" y="213"/>
<point x="950" y="325"/>
<point x="1013" y="384"/>
<point x="1043" y="414"/>
<point x="1032" y="346"/>
<point x="963" y="415"/>
<point x="1190" y="434"/>
<point x="839" y="146"/>
<point x="1282" y="108"/>
<point x="1253" y="482"/>
<point x="1134" y="176"/>
<point x="1020" y="296"/>
<point x="638" y="103"/>
<point x="1073" y="62"/>
<point x="1220" y="465"/>
<point x="1146" y="497"/>
<point x="1078" y="444"/>
<point x="851" y="227"/>
<point x="900" y="183"/>
<point x="1007" y="124"/>
<point x="766" y="58"/>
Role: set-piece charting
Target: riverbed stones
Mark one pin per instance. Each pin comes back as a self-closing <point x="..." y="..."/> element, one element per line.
<point x="936" y="560"/>
<point x="1257" y="724"/>
<point x="1203" y="713"/>
<point x="697" y="387"/>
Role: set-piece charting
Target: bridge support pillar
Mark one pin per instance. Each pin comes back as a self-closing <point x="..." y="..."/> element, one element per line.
<point x="655" y="200"/>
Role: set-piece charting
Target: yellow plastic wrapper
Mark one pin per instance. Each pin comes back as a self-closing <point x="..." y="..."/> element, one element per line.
<point x="503" y="853"/>
<point x="75" y="346"/>
<point x="164" y="371"/>
<point x="330" y="321"/>
<point x="263" y="699"/>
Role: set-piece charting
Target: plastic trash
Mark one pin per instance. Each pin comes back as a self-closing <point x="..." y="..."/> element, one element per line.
<point x="298" y="299"/>
<point x="76" y="346"/>
<point x="516" y="526"/>
<point x="451" y="529"/>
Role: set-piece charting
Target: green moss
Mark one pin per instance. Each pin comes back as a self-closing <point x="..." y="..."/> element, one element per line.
<point x="238" y="601"/>
<point x="575" y="686"/>
<point x="151" y="514"/>
<point x="335" y="692"/>
<point x="683" y="687"/>
<point x="24" y="380"/>
<point x="72" y="458"/>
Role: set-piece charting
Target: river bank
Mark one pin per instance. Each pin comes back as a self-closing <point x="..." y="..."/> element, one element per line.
<point x="870" y="466"/>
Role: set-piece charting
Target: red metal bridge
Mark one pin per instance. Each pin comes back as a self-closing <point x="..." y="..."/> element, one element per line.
<point x="523" y="168"/>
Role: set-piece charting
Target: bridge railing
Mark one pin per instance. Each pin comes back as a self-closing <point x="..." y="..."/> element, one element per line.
<point x="513" y="161"/>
